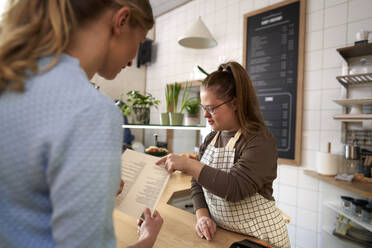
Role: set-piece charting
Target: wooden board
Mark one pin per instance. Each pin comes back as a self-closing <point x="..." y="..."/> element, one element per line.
<point x="359" y="188"/>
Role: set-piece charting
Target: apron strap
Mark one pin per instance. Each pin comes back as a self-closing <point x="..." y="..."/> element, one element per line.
<point x="214" y="139"/>
<point x="233" y="140"/>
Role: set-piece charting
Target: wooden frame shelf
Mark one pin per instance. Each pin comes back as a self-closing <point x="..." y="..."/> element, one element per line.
<point x="352" y="102"/>
<point x="355" y="51"/>
<point x="355" y="80"/>
<point x="360" y="188"/>
<point x="353" y="118"/>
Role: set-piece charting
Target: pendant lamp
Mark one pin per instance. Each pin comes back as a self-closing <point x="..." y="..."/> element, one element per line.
<point x="197" y="36"/>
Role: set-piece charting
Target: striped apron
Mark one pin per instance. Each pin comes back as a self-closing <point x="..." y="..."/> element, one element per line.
<point x="255" y="215"/>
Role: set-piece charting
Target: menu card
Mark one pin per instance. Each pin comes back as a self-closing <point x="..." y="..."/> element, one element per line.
<point x="144" y="183"/>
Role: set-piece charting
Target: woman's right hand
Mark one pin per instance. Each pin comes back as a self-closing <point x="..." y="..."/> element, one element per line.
<point x="205" y="227"/>
<point x="149" y="228"/>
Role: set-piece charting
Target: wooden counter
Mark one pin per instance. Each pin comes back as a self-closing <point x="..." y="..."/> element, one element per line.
<point x="178" y="229"/>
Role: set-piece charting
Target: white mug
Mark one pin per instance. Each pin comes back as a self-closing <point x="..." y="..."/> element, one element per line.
<point x="362" y="35"/>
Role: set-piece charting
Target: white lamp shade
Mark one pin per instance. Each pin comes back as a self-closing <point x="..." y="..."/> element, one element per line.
<point x="198" y="36"/>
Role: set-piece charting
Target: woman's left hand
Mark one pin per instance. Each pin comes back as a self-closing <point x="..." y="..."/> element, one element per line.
<point x="174" y="162"/>
<point x="120" y="187"/>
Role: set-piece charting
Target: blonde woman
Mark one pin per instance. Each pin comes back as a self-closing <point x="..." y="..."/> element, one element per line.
<point x="232" y="183"/>
<point x="60" y="138"/>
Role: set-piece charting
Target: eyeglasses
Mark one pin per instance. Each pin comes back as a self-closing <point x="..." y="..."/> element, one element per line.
<point x="212" y="109"/>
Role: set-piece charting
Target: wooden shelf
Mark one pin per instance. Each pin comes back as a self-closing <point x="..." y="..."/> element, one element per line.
<point x="352" y="118"/>
<point x="355" y="80"/>
<point x="351" y="102"/>
<point x="359" y="188"/>
<point x="355" y="51"/>
<point x="152" y="126"/>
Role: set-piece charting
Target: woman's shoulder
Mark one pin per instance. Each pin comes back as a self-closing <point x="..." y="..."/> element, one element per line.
<point x="259" y="139"/>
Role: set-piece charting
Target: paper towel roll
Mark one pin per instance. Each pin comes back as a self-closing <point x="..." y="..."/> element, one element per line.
<point x="327" y="164"/>
<point x="367" y="124"/>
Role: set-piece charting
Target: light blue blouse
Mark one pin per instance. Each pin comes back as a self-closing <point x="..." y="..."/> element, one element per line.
<point x="60" y="148"/>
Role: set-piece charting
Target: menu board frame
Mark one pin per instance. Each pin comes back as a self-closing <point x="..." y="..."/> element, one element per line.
<point x="297" y="132"/>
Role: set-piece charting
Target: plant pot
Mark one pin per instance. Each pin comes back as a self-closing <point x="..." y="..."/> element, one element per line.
<point x="192" y="119"/>
<point x="164" y="118"/>
<point x="140" y="116"/>
<point x="176" y="119"/>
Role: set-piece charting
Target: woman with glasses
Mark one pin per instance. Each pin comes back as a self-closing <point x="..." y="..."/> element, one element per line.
<point x="60" y="138"/>
<point x="232" y="181"/>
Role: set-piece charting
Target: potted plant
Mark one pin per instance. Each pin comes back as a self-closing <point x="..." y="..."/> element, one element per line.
<point x="192" y="111"/>
<point x="175" y="117"/>
<point x="138" y="107"/>
<point x="164" y="117"/>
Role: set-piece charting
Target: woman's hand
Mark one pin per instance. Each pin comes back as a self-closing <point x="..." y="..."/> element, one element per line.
<point x="205" y="227"/>
<point x="149" y="228"/>
<point x="174" y="162"/>
<point x="121" y="187"/>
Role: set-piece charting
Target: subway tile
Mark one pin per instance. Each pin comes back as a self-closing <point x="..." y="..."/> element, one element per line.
<point x="335" y="15"/>
<point x="258" y="4"/>
<point x="308" y="160"/>
<point x="330" y="3"/>
<point x="311" y="120"/>
<point x="307" y="182"/>
<point x="289" y="210"/>
<point x="335" y="36"/>
<point x="328" y="96"/>
<point x="307" y="219"/>
<point x="307" y="199"/>
<point x="221" y="4"/>
<point x="314" y="5"/>
<point x="315" y="21"/>
<point x="359" y="10"/>
<point x="327" y="121"/>
<point x="310" y="141"/>
<point x="355" y="27"/>
<point x="292" y="234"/>
<point x="313" y="80"/>
<point x="313" y="61"/>
<point x="312" y="100"/>
<point x="275" y="1"/>
<point x="331" y="58"/>
<point x="288" y="194"/>
<point x="246" y="6"/>
<point x="314" y="41"/>
<point x="288" y="175"/>
<point x="329" y="80"/>
<point x="233" y="11"/>
<point x="305" y="238"/>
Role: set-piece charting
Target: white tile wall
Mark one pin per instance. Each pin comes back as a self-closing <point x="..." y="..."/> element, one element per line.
<point x="330" y="24"/>
<point x="314" y="5"/>
<point x="313" y="80"/>
<point x="359" y="10"/>
<point x="335" y="36"/>
<point x="315" y="21"/>
<point x="335" y="15"/>
<point x="313" y="60"/>
<point x="314" y="41"/>
<point x="331" y="58"/>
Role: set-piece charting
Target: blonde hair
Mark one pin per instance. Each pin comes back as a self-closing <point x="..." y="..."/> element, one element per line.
<point x="31" y="29"/>
<point x="231" y="81"/>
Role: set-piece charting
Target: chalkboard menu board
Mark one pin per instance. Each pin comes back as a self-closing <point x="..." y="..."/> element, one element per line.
<point x="273" y="57"/>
